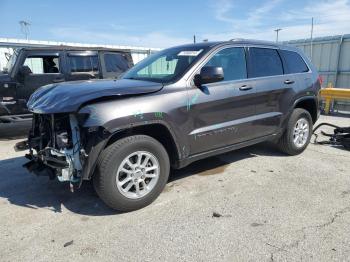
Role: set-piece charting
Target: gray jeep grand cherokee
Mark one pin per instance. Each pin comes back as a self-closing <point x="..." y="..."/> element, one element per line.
<point x="177" y="106"/>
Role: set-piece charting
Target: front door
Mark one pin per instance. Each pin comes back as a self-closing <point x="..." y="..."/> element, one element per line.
<point x="8" y="103"/>
<point x="43" y="68"/>
<point x="221" y="112"/>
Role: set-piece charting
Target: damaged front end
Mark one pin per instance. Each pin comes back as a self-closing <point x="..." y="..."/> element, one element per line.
<point x="55" y="147"/>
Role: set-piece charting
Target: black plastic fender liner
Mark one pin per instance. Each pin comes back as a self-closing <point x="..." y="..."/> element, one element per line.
<point x="93" y="155"/>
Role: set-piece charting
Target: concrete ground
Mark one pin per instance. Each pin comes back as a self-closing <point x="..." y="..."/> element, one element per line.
<point x="253" y="204"/>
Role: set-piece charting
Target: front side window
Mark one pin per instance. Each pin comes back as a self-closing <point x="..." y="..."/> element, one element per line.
<point x="42" y="64"/>
<point x="232" y="61"/>
<point x="167" y="65"/>
<point x="83" y="64"/>
<point x="294" y="62"/>
<point x="264" y="62"/>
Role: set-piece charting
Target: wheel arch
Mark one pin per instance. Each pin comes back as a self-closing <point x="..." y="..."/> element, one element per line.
<point x="310" y="104"/>
<point x="158" y="131"/>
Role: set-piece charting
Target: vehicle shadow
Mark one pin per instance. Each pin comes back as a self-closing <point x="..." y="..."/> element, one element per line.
<point x="23" y="189"/>
<point x="217" y="164"/>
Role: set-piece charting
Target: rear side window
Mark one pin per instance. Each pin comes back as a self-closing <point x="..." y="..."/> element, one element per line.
<point x="232" y="61"/>
<point x="115" y="62"/>
<point x="264" y="62"/>
<point x="83" y="64"/>
<point x="294" y="62"/>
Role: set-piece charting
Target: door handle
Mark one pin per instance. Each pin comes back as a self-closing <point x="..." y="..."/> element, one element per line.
<point x="245" y="88"/>
<point x="58" y="80"/>
<point x="288" y="82"/>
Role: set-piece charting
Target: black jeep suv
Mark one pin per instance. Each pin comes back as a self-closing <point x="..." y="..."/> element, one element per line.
<point x="30" y="68"/>
<point x="177" y="106"/>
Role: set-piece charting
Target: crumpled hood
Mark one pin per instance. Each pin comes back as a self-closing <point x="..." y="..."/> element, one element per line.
<point x="69" y="96"/>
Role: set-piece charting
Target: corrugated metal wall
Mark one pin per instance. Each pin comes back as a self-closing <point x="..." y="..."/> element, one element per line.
<point x="331" y="56"/>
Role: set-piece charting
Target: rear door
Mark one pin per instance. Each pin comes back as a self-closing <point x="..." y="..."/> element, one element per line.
<point x="273" y="89"/>
<point x="83" y="65"/>
<point x="45" y="68"/>
<point x="114" y="64"/>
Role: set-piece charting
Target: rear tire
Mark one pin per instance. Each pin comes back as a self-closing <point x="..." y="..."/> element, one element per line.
<point x="298" y="133"/>
<point x="139" y="160"/>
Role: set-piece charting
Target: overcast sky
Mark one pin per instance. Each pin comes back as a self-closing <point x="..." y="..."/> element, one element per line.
<point x="162" y="23"/>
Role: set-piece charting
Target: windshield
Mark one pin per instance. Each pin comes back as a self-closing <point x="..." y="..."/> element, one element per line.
<point x="167" y="65"/>
<point x="12" y="61"/>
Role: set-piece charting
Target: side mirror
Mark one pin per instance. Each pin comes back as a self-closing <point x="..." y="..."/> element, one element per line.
<point x="24" y="71"/>
<point x="209" y="74"/>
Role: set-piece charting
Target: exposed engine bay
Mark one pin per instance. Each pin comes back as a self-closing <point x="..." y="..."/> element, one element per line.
<point x="55" y="147"/>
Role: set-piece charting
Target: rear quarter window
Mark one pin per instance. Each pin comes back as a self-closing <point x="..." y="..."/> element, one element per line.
<point x="294" y="63"/>
<point x="264" y="62"/>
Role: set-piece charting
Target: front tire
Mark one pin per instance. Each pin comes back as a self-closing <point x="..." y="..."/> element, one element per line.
<point x="131" y="173"/>
<point x="298" y="133"/>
